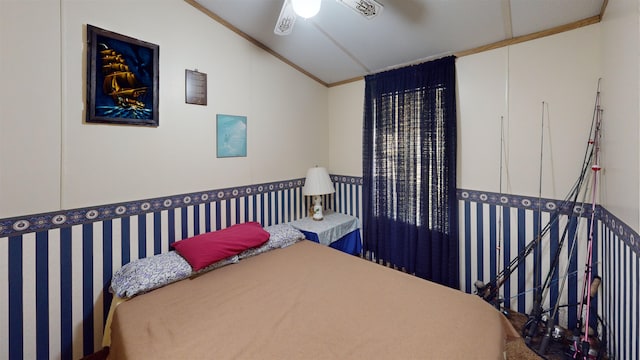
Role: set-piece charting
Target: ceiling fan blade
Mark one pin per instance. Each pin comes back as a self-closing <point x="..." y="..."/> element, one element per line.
<point x="366" y="8"/>
<point x="287" y="18"/>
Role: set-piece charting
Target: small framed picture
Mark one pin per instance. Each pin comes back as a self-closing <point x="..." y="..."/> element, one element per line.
<point x="195" y="87"/>
<point x="231" y="136"/>
<point x="122" y="79"/>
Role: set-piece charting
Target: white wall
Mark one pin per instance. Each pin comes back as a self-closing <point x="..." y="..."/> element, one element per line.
<point x="30" y="103"/>
<point x="51" y="159"/>
<point x="510" y="82"/>
<point x="482" y="108"/>
<point x="620" y="95"/>
<point x="513" y="82"/>
<point x="346" y="106"/>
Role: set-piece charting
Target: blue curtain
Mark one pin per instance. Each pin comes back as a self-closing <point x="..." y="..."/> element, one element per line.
<point x="409" y="170"/>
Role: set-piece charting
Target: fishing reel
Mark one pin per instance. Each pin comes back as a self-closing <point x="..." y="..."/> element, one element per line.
<point x="488" y="292"/>
<point x="594" y="348"/>
<point x="483" y="290"/>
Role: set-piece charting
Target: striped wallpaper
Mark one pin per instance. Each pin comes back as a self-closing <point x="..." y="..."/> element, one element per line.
<point x="621" y="295"/>
<point x="521" y="220"/>
<point x="615" y="252"/>
<point x="55" y="267"/>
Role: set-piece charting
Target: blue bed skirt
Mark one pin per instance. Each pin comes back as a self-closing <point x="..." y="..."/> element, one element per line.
<point x="350" y="243"/>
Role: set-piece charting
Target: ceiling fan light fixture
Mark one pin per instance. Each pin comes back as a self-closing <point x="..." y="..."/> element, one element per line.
<point x="306" y="8"/>
<point x="367" y="8"/>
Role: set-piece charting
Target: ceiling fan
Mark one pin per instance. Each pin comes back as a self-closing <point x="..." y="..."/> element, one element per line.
<point x="291" y="9"/>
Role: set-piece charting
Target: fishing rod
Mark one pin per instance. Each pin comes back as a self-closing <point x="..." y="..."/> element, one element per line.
<point x="536" y="309"/>
<point x="583" y="351"/>
<point x="490" y="290"/>
<point x="500" y="234"/>
<point x="553" y="282"/>
<point x="592" y="158"/>
<point x="593" y="133"/>
<point x="531" y="326"/>
<point x="551" y="321"/>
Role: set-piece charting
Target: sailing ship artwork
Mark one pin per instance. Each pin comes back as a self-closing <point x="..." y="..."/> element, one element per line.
<point x="123" y="79"/>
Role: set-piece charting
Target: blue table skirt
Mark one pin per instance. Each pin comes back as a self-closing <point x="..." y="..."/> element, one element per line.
<point x="350" y="243"/>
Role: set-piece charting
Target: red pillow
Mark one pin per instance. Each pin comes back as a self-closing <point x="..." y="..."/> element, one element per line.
<point x="203" y="250"/>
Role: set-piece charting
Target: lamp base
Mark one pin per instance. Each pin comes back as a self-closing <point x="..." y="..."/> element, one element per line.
<point x="316" y="208"/>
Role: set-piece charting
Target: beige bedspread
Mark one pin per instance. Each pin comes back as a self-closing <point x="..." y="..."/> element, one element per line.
<point x="307" y="301"/>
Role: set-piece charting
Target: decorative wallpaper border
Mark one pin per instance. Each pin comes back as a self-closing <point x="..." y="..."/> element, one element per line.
<point x="622" y="230"/>
<point x="354" y="180"/>
<point x="63" y="218"/>
<point x="58" y="219"/>
<point x="527" y="202"/>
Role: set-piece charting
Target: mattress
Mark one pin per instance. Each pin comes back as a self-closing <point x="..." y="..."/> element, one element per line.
<point x="307" y="301"/>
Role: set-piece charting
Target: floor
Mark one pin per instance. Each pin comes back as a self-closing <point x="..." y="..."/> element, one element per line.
<point x="557" y="349"/>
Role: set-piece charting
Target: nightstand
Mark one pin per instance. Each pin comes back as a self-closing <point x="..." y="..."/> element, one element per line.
<point x="336" y="230"/>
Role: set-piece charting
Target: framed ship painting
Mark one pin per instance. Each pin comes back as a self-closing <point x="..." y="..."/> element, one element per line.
<point x="122" y="79"/>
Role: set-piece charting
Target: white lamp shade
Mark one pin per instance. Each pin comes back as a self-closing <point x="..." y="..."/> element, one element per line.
<point x="317" y="182"/>
<point x="306" y="8"/>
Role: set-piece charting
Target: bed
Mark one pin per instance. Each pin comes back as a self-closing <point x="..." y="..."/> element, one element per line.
<point x="306" y="301"/>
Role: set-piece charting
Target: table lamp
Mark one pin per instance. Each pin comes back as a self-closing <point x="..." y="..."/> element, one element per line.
<point x="317" y="183"/>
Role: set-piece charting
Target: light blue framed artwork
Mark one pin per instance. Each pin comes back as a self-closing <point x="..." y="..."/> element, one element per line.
<point x="231" y="131"/>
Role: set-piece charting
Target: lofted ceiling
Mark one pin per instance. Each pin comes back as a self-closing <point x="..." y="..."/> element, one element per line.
<point x="339" y="45"/>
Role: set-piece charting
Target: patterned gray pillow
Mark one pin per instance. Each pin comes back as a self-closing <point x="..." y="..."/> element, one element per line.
<point x="218" y="264"/>
<point x="281" y="235"/>
<point x="143" y="275"/>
